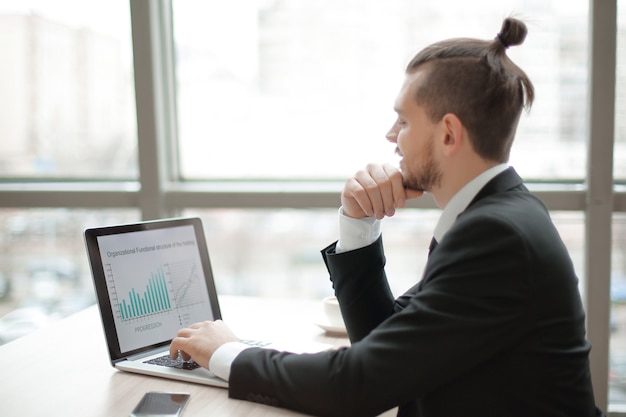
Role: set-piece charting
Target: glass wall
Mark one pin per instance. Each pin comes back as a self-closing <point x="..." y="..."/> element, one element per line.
<point x="305" y="89"/>
<point x="617" y="371"/>
<point x="276" y="253"/>
<point x="67" y="90"/>
<point x="619" y="165"/>
<point x="44" y="274"/>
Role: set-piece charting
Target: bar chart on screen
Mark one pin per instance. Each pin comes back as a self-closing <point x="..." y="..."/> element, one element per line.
<point x="166" y="287"/>
<point x="153" y="299"/>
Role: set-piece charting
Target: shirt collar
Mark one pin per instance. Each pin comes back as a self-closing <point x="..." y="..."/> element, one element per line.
<point x="462" y="198"/>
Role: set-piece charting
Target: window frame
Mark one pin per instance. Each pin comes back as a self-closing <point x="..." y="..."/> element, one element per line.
<point x="160" y="192"/>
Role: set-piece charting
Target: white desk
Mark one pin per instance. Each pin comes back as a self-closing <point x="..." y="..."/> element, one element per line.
<point x="64" y="370"/>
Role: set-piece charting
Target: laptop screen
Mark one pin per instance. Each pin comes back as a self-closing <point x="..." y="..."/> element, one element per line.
<point x="152" y="279"/>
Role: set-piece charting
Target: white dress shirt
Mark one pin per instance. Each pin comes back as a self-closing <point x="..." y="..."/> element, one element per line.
<point x="358" y="233"/>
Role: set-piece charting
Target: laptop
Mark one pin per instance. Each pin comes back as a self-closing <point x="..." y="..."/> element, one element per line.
<point x="151" y="279"/>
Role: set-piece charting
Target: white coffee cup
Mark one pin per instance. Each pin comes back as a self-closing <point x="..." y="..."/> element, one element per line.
<point x="333" y="312"/>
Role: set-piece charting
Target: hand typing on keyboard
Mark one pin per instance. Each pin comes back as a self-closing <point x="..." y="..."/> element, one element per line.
<point x="199" y="341"/>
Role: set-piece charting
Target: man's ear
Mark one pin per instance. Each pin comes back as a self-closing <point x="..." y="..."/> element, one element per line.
<point x="453" y="133"/>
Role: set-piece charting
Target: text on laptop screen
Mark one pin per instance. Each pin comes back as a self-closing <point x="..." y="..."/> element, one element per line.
<point x="155" y="282"/>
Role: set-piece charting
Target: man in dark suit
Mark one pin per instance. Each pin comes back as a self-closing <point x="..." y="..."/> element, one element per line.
<point x="496" y="325"/>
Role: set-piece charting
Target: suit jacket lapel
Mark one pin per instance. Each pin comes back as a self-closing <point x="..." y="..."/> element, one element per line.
<point x="506" y="180"/>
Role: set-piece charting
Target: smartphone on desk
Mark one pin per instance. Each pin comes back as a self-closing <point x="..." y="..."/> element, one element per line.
<point x="161" y="404"/>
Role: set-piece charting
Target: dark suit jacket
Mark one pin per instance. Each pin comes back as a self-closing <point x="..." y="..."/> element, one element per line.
<point x="495" y="327"/>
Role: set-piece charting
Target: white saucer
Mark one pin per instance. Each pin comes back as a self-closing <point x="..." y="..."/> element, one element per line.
<point x="339" y="330"/>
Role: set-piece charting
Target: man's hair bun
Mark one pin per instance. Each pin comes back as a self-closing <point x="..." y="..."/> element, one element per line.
<point x="512" y="33"/>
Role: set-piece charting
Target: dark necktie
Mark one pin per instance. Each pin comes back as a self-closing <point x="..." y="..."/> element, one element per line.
<point x="432" y="246"/>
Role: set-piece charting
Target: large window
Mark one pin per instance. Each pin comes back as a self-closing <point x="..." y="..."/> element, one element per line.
<point x="251" y="113"/>
<point x="619" y="165"/>
<point x="305" y="89"/>
<point x="44" y="275"/>
<point x="617" y="373"/>
<point x="276" y="253"/>
<point x="67" y="107"/>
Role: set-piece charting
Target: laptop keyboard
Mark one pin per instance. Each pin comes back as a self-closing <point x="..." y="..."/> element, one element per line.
<point x="179" y="363"/>
<point x="255" y="343"/>
<point x="190" y="365"/>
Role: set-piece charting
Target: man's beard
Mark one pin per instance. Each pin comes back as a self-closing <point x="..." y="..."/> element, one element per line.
<point x="428" y="177"/>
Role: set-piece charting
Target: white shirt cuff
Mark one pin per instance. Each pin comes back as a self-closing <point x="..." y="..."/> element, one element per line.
<point x="223" y="358"/>
<point x="356" y="233"/>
